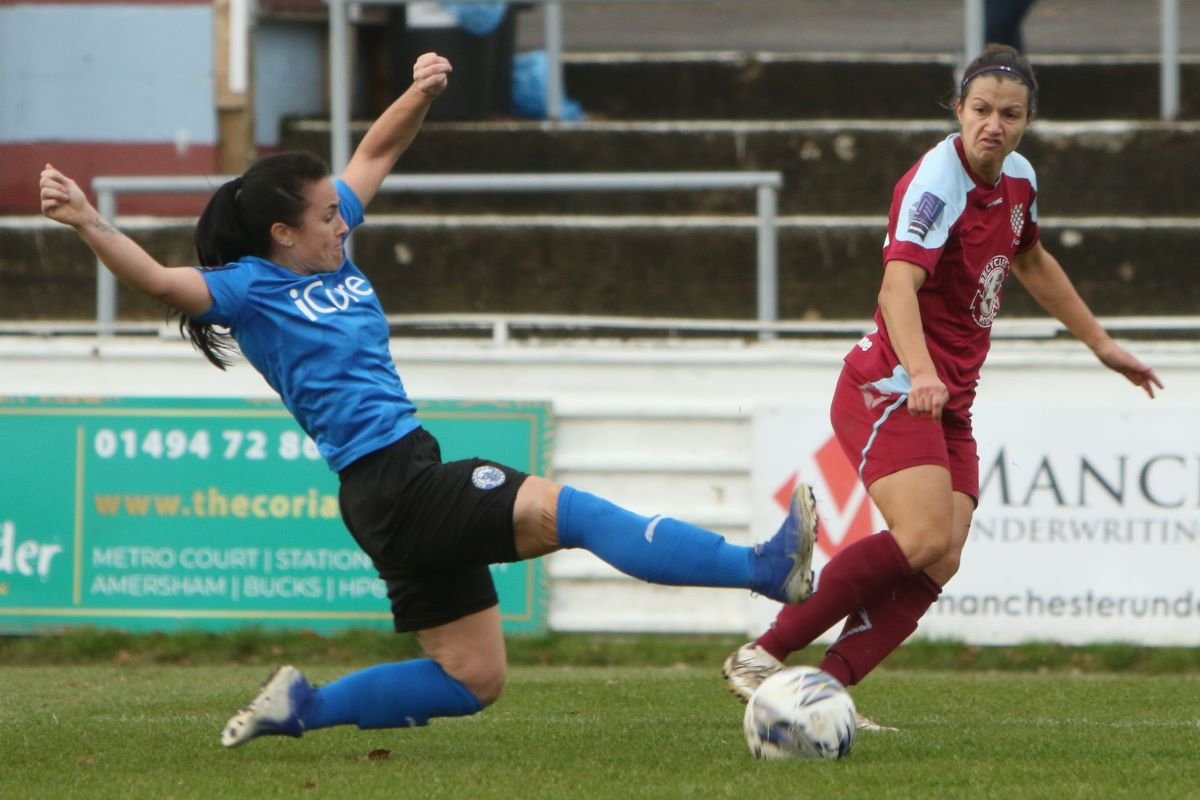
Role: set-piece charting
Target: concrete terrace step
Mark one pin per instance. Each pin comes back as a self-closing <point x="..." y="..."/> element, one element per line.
<point x="757" y="85"/>
<point x="659" y="266"/>
<point x="829" y="166"/>
<point x="873" y="26"/>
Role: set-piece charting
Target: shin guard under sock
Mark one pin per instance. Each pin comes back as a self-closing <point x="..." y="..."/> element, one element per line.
<point x="850" y="581"/>
<point x="656" y="549"/>
<point x="872" y="633"/>
<point x="403" y="694"/>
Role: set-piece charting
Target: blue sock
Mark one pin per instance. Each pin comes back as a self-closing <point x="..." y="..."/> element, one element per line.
<point x="658" y="549"/>
<point x="404" y="694"/>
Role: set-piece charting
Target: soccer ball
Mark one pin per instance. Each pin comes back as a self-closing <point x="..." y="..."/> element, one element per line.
<point x="800" y="712"/>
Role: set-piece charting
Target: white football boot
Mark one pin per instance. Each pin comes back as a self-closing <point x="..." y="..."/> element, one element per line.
<point x="747" y="667"/>
<point x="864" y="723"/>
<point x="274" y="712"/>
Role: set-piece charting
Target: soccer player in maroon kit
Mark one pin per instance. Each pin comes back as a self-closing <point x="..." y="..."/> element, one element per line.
<point x="961" y="219"/>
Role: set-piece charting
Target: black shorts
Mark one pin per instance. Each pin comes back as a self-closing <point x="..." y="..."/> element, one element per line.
<point x="431" y="528"/>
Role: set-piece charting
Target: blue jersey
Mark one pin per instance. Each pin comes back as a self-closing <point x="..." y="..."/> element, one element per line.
<point x="321" y="342"/>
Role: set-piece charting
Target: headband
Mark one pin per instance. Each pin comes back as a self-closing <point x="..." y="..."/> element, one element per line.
<point x="996" y="68"/>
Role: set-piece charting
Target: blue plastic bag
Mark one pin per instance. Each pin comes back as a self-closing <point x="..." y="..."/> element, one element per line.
<point x="478" y="19"/>
<point x="529" y="89"/>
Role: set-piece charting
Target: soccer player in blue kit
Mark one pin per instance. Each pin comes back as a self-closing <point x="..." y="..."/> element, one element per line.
<point x="277" y="282"/>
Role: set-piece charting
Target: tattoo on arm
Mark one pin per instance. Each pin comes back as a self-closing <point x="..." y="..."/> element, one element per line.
<point x="104" y="226"/>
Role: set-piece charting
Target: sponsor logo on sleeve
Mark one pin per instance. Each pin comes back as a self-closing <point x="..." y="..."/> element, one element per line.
<point x="925" y="214"/>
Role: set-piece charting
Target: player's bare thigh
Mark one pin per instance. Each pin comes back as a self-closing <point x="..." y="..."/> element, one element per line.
<point x="917" y="505"/>
<point x="947" y="566"/>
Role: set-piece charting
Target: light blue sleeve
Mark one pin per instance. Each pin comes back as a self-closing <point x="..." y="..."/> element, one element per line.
<point x="934" y="200"/>
<point x="925" y="216"/>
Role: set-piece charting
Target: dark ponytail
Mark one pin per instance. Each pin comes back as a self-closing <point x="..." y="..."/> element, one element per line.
<point x="999" y="61"/>
<point x="237" y="222"/>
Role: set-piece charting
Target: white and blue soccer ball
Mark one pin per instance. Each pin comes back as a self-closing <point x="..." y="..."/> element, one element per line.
<point x="800" y="712"/>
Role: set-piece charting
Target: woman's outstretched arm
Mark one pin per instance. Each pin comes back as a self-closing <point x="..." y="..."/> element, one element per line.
<point x="1048" y="284"/>
<point x="63" y="201"/>
<point x="391" y="134"/>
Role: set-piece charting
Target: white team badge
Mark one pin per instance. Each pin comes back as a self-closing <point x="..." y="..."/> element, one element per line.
<point x="986" y="303"/>
<point x="487" y="477"/>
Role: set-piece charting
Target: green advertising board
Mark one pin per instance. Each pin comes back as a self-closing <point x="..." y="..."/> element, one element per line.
<point x="168" y="513"/>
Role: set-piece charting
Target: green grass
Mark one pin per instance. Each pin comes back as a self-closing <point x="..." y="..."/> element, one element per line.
<point x="250" y="646"/>
<point x="150" y="731"/>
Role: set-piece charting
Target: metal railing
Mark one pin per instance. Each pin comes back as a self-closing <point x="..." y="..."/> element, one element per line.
<point x="500" y="327"/>
<point x="973" y="35"/>
<point x="1168" y="80"/>
<point x="765" y="184"/>
<point x="1168" y="72"/>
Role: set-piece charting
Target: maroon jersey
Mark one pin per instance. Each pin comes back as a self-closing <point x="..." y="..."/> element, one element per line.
<point x="964" y="232"/>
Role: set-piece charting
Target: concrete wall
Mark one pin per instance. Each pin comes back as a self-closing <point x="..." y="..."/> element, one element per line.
<point x="658" y="427"/>
<point x="107" y="73"/>
<point x="127" y="89"/>
<point x="98" y="88"/>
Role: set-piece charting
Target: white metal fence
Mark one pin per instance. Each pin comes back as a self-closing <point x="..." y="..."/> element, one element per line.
<point x="766" y="186"/>
<point x="973" y="35"/>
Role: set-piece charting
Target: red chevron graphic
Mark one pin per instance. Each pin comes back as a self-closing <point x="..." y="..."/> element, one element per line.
<point x="836" y="489"/>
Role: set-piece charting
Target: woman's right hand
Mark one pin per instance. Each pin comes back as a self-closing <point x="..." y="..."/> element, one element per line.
<point x="62" y="199"/>
<point x="928" y="395"/>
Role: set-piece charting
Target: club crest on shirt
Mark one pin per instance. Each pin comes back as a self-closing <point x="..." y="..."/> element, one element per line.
<point x="925" y="213"/>
<point x="487" y="477"/>
<point x="986" y="303"/>
<point x="1017" y="218"/>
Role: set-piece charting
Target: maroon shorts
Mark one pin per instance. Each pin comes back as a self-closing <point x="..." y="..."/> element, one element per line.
<point x="880" y="437"/>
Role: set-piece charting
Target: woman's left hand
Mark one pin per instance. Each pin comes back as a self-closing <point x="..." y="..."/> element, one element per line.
<point x="1118" y="359"/>
<point x="431" y="74"/>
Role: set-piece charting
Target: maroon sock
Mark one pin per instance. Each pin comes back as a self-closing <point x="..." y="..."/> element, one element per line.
<point x="872" y="633"/>
<point x="851" y="580"/>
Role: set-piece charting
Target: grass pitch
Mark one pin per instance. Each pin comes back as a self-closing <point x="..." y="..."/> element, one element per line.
<point x="150" y="731"/>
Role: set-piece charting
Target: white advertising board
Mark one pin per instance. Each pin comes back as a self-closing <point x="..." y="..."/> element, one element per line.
<point x="1087" y="530"/>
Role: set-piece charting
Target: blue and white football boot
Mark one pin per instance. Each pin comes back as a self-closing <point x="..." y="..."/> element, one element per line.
<point x="791" y="549"/>
<point x="274" y="712"/>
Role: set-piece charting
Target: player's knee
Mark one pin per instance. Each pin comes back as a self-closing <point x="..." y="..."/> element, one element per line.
<point x="486" y="682"/>
<point x="924" y="545"/>
<point x="535" y="517"/>
<point x="483" y="677"/>
<point x="945" y="567"/>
